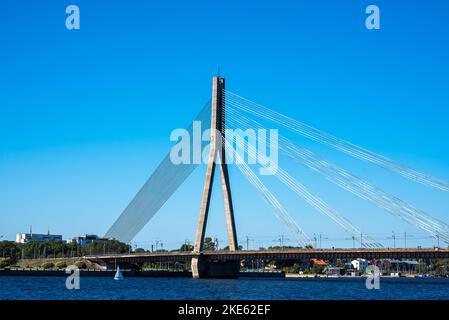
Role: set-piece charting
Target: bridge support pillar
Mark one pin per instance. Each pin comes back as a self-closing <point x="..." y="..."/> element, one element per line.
<point x="217" y="151"/>
<point x="203" y="268"/>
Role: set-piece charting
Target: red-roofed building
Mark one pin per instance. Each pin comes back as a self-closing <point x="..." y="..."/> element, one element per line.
<point x="318" y="262"/>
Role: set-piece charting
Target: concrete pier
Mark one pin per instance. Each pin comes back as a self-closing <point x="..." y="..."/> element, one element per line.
<point x="204" y="268"/>
<point x="201" y="267"/>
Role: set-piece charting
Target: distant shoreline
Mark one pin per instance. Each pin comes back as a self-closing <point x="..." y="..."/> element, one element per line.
<point x="126" y="273"/>
<point x="94" y="273"/>
<point x="187" y="274"/>
<point x="323" y="276"/>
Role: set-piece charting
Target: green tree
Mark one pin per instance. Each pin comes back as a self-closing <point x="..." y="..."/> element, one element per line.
<point x="58" y="249"/>
<point x="186" y="247"/>
<point x="227" y="248"/>
<point x="106" y="247"/>
<point x="441" y="267"/>
<point x="4" y="262"/>
<point x="209" y="245"/>
<point x="9" y="249"/>
<point x="339" y="264"/>
<point x="292" y="269"/>
<point x="317" y="269"/>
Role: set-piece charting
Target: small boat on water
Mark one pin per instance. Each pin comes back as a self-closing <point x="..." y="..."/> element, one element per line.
<point x="118" y="274"/>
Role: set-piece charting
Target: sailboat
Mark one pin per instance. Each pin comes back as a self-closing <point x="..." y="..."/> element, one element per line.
<point x="118" y="274"/>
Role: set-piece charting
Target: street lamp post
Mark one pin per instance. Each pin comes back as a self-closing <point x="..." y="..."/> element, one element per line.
<point x="322" y="238"/>
<point x="394" y="240"/>
<point x="405" y="240"/>
<point x="353" y="241"/>
<point x="361" y="240"/>
<point x="247" y="242"/>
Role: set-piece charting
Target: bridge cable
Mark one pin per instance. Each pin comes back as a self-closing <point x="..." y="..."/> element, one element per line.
<point x="344" y="146"/>
<point x="161" y="185"/>
<point x="279" y="211"/>
<point x="316" y="202"/>
<point x="355" y="185"/>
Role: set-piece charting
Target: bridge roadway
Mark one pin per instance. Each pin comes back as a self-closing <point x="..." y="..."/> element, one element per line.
<point x="297" y="254"/>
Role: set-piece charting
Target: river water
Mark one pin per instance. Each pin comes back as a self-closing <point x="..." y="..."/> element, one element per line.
<point x="186" y="288"/>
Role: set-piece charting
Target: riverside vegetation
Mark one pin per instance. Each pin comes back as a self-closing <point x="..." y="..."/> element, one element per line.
<point x="60" y="254"/>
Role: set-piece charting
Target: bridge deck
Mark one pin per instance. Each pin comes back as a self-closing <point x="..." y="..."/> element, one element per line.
<point x="300" y="254"/>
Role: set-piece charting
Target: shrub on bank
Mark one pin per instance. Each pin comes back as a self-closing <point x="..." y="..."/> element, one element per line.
<point x="61" y="265"/>
<point x="4" y="262"/>
<point x="47" y="265"/>
<point x="81" y="264"/>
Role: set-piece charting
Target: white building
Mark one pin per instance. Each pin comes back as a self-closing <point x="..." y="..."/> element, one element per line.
<point x="359" y="264"/>
<point x="85" y="239"/>
<point x="27" y="237"/>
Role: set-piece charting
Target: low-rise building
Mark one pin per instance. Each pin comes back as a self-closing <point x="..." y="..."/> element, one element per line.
<point x="401" y="266"/>
<point x="318" y="262"/>
<point x="27" y="237"/>
<point x="359" y="264"/>
<point x="334" y="271"/>
<point x="85" y="239"/>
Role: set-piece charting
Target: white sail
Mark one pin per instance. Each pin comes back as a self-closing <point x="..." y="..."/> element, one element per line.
<point x="118" y="274"/>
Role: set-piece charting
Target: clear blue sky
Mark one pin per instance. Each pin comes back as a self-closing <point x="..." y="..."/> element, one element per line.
<point x="85" y="116"/>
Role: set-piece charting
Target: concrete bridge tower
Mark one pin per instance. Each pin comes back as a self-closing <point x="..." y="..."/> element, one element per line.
<point x="200" y="267"/>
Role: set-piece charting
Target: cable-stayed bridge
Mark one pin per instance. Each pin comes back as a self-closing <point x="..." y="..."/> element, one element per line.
<point x="234" y="125"/>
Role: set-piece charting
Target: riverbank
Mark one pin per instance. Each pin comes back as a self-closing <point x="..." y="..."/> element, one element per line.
<point x="29" y="272"/>
<point x="95" y="273"/>
<point x="313" y="276"/>
<point x="126" y="273"/>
